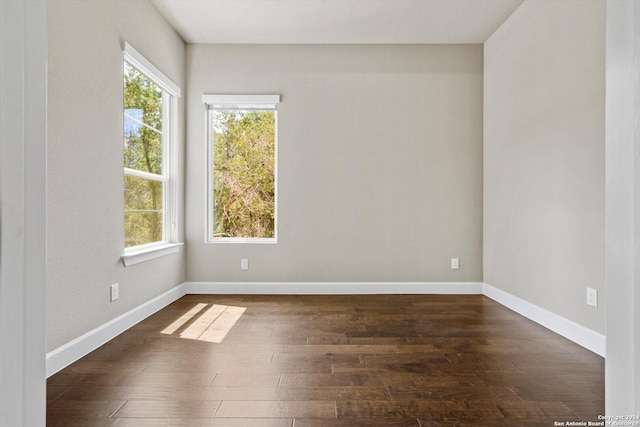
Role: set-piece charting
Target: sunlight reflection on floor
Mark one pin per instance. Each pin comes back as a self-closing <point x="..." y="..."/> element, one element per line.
<point x="211" y="326"/>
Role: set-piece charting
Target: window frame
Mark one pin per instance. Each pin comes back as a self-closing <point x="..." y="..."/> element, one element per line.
<point x="170" y="93"/>
<point x="237" y="102"/>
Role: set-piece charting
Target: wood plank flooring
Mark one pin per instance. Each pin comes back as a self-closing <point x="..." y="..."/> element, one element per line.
<point x="310" y="361"/>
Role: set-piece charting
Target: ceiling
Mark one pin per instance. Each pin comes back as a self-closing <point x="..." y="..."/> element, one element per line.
<point x="336" y="21"/>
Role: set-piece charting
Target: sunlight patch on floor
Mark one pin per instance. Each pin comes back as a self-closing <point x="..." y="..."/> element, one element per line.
<point x="211" y="326"/>
<point x="183" y="319"/>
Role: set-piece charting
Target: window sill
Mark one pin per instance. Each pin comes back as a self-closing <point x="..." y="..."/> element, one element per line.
<point x="147" y="254"/>
<point x="253" y="240"/>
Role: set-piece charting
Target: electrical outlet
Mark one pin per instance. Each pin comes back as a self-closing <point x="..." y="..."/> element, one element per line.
<point x="244" y="264"/>
<point x="592" y="297"/>
<point x="115" y="292"/>
<point x="455" y="263"/>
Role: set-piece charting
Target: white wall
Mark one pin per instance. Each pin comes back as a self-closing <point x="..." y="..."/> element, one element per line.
<point x="379" y="167"/>
<point x="623" y="207"/>
<point x="85" y="180"/>
<point x="23" y="96"/>
<point x="544" y="157"/>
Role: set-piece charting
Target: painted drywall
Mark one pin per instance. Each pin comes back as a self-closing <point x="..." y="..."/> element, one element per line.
<point x="379" y="161"/>
<point x="622" y="372"/>
<point x="544" y="157"/>
<point x="23" y="137"/>
<point x="85" y="181"/>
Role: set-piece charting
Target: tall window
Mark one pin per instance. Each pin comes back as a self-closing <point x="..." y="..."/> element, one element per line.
<point x="242" y="168"/>
<point x="149" y="108"/>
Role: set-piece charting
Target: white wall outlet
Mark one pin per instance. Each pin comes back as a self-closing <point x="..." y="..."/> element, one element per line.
<point x="244" y="264"/>
<point x="592" y="297"/>
<point x="115" y="292"/>
<point x="455" y="263"/>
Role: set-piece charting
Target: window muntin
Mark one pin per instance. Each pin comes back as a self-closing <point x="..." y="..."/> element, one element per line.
<point x="148" y="111"/>
<point x="242" y="185"/>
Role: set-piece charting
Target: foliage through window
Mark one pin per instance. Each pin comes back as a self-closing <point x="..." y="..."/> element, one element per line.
<point x="147" y="109"/>
<point x="242" y="191"/>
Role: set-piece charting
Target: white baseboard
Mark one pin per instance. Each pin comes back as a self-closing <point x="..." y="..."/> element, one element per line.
<point x="79" y="347"/>
<point x="582" y="336"/>
<point x="334" y="288"/>
<point x="70" y="352"/>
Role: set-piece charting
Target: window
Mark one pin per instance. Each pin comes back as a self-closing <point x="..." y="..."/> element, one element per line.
<point x="149" y="111"/>
<point x="242" y="157"/>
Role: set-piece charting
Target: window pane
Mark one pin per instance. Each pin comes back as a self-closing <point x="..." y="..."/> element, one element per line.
<point x="142" y="122"/>
<point x="144" y="151"/>
<point x="244" y="173"/>
<point x="143" y="221"/>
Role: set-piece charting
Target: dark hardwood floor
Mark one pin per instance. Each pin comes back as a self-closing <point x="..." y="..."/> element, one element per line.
<point x="384" y="360"/>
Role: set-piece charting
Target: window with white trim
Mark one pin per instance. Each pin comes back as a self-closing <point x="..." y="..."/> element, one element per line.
<point x="149" y="180"/>
<point x="242" y="168"/>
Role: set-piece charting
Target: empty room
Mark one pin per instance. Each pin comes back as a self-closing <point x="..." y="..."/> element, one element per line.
<point x="320" y="212"/>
